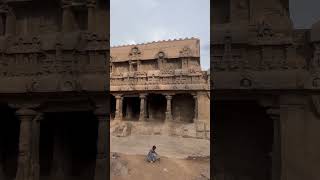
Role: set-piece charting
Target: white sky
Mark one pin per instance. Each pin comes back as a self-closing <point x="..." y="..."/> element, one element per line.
<point x="304" y="13"/>
<point x="138" y="21"/>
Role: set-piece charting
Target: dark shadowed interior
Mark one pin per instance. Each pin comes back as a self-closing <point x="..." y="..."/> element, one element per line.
<point x="68" y="145"/>
<point x="243" y="141"/>
<point x="156" y="107"/>
<point x="131" y="108"/>
<point x="9" y="143"/>
<point x="183" y="107"/>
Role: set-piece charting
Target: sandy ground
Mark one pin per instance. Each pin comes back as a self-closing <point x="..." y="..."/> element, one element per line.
<point x="167" y="146"/>
<point x="128" y="158"/>
<point x="134" y="167"/>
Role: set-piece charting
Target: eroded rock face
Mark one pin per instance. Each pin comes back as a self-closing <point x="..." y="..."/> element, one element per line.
<point x="187" y="130"/>
<point x="122" y="129"/>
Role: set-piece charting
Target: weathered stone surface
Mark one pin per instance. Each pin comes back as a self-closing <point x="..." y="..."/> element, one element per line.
<point x="258" y="56"/>
<point x="160" y="82"/>
<point x="56" y="51"/>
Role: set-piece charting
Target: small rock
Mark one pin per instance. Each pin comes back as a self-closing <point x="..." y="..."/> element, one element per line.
<point x="165" y="170"/>
<point x="115" y="155"/>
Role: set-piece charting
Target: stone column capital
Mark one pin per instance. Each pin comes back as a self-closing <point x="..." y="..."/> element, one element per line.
<point x="66" y="4"/>
<point x="143" y="96"/>
<point x="273" y="113"/>
<point x="168" y="97"/>
<point x="118" y="96"/>
<point x="26" y="112"/>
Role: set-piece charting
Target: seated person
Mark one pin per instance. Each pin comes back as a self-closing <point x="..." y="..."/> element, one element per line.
<point x="152" y="155"/>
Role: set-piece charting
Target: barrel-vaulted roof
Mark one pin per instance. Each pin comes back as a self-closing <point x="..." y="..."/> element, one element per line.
<point x="189" y="47"/>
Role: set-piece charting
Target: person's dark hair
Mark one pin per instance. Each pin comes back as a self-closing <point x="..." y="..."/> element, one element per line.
<point x="154" y="147"/>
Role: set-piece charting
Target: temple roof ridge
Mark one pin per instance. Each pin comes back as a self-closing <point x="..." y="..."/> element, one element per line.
<point x="159" y="41"/>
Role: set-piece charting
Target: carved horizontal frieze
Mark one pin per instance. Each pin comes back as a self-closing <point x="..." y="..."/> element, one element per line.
<point x="47" y="63"/>
<point x="54" y="83"/>
<point x="174" y="87"/>
<point x="259" y="58"/>
<point x="79" y="41"/>
<point x="174" y="82"/>
<point x="159" y="73"/>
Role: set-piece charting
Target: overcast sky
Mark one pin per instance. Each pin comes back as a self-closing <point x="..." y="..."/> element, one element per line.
<point x="138" y="21"/>
<point x="304" y="13"/>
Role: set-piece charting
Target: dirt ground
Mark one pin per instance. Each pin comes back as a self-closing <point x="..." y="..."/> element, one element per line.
<point x="134" y="167"/>
<point x="128" y="157"/>
<point x="168" y="146"/>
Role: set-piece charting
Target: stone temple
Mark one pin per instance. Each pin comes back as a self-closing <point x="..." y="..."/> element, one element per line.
<point x="266" y="86"/>
<point x="53" y="89"/>
<point x="160" y="85"/>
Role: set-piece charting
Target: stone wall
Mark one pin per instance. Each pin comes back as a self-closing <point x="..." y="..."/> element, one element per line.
<point x="261" y="56"/>
<point x="171" y="70"/>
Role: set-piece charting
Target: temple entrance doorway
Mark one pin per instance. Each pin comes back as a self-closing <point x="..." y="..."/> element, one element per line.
<point x="9" y="142"/>
<point x="183" y="108"/>
<point x="243" y="141"/>
<point x="68" y="145"/>
<point x="131" y="108"/>
<point x="156" y="107"/>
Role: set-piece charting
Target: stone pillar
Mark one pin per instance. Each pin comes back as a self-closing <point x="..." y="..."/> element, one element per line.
<point x="102" y="161"/>
<point x="168" y="111"/>
<point x="58" y="161"/>
<point x="293" y="137"/>
<point x="118" y="107"/>
<point x="195" y="97"/>
<point x="35" y="150"/>
<point x="10" y="24"/>
<point x="146" y="108"/>
<point x="91" y="15"/>
<point x="142" y="107"/>
<point x="67" y="16"/>
<point x="274" y="114"/>
<point x="24" y="159"/>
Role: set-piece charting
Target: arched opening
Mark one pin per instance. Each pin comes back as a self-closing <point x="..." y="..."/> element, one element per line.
<point x="156" y="107"/>
<point x="131" y="108"/>
<point x="68" y="145"/>
<point x="183" y="108"/>
<point x="243" y="141"/>
<point x="112" y="106"/>
<point x="9" y="142"/>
